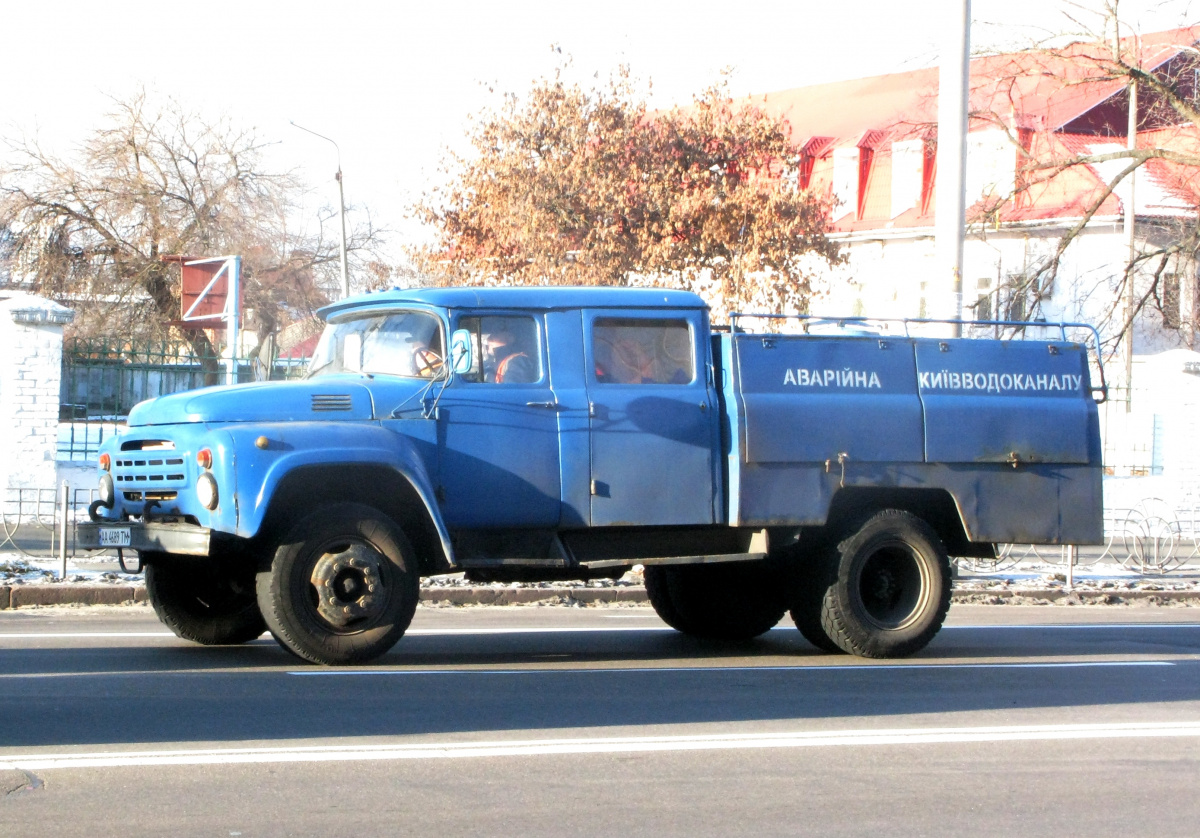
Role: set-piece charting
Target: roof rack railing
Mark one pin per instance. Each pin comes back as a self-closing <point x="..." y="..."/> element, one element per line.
<point x="1100" y="393"/>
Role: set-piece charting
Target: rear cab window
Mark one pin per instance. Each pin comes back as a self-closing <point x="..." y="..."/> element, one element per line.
<point x="642" y="351"/>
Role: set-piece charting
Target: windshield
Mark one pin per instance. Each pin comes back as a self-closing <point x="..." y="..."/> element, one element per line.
<point x="406" y="343"/>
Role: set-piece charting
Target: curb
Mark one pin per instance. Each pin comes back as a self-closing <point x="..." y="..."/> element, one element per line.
<point x="20" y="596"/>
<point x="1077" y="597"/>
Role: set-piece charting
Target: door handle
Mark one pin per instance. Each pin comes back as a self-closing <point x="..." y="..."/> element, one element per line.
<point x="543" y="405"/>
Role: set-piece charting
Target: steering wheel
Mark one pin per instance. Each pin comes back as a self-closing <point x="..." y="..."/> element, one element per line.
<point x="427" y="362"/>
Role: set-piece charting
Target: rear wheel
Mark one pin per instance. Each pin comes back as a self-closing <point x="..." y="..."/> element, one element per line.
<point x="891" y="591"/>
<point x="809" y="577"/>
<point x="343" y="586"/>
<point x="204" y="600"/>
<point x="658" y="590"/>
<point x="735" y="601"/>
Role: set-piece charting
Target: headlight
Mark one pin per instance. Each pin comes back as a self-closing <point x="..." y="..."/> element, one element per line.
<point x="107" y="494"/>
<point x="206" y="491"/>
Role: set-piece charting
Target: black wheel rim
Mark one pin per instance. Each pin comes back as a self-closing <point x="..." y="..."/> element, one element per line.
<point x="893" y="586"/>
<point x="348" y="585"/>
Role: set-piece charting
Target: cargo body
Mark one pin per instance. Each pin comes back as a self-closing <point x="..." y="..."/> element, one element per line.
<point x="547" y="433"/>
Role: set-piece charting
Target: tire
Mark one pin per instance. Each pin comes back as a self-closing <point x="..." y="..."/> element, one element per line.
<point x="719" y="601"/>
<point x="658" y="584"/>
<point x="891" y="591"/>
<point x="207" y="602"/>
<point x="809" y="577"/>
<point x="342" y="587"/>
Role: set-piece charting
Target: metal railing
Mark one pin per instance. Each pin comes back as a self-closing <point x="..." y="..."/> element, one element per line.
<point x="103" y="379"/>
<point x="881" y="326"/>
<point x="31" y="520"/>
<point x="1152" y="538"/>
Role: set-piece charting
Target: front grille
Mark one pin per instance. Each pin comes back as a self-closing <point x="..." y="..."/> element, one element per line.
<point x="330" y="401"/>
<point x="148" y="470"/>
<point x="148" y="445"/>
<point x="136" y="497"/>
<point x="150" y="465"/>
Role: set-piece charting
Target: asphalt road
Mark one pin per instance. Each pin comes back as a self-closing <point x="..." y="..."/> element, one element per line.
<point x="556" y="721"/>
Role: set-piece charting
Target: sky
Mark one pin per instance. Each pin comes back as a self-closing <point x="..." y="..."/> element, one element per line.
<point x="395" y="83"/>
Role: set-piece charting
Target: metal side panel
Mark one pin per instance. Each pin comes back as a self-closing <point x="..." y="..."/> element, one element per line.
<point x="1005" y="401"/>
<point x="809" y="399"/>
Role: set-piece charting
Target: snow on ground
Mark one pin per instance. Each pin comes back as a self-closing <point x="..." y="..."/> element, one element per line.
<point x="18" y="569"/>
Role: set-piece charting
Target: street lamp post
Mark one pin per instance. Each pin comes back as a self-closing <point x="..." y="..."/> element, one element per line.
<point x="341" y="206"/>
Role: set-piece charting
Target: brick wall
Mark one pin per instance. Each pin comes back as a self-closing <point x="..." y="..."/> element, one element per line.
<point x="31" y="339"/>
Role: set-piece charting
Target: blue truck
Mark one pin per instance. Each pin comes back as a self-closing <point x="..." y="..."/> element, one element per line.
<point x="573" y="433"/>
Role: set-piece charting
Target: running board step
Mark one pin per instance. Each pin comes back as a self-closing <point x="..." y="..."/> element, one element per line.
<point x="717" y="559"/>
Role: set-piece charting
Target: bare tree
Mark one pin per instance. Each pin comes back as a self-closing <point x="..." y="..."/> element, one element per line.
<point x="1107" y="65"/>
<point x="156" y="181"/>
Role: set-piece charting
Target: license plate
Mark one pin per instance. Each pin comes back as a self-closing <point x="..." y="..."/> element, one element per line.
<point x="114" y="537"/>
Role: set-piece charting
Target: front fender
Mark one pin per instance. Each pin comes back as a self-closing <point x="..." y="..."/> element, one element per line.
<point x="260" y="469"/>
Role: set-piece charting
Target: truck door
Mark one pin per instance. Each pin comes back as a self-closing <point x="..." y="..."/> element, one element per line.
<point x="652" y="418"/>
<point x="498" y="429"/>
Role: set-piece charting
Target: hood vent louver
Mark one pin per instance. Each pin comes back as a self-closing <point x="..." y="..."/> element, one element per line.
<point x="324" y="402"/>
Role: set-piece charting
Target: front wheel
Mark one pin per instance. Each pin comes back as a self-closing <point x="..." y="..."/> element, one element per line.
<point x="205" y="601"/>
<point x="343" y="586"/>
<point x="891" y="591"/>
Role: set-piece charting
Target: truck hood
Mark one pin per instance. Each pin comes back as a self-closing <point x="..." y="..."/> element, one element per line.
<point x="328" y="398"/>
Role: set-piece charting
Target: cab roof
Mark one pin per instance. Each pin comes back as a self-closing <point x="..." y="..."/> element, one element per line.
<point x="522" y="297"/>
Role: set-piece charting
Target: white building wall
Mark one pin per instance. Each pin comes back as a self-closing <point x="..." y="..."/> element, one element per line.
<point x="908" y="160"/>
<point x="845" y="180"/>
<point x="991" y="165"/>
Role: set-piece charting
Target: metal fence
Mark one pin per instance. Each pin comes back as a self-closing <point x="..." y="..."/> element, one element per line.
<point x="1152" y="538"/>
<point x="103" y="379"/>
<point x="1133" y="440"/>
<point x="31" y="520"/>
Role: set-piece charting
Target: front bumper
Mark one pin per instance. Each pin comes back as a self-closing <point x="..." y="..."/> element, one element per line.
<point x="186" y="539"/>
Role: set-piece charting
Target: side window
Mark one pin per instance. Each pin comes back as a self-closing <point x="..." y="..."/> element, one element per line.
<point x="505" y="349"/>
<point x="629" y="351"/>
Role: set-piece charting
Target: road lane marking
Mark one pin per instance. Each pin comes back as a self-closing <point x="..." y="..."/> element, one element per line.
<point x="604" y="745"/>
<point x="859" y="667"/>
<point x="1082" y="626"/>
<point x="71" y="635"/>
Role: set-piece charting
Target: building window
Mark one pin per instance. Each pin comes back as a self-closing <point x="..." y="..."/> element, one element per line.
<point x="866" y="157"/>
<point x="806" y="170"/>
<point x="1168" y="300"/>
<point x="983" y="300"/>
<point x="928" y="175"/>
<point x="1015" y="310"/>
<point x="1012" y="301"/>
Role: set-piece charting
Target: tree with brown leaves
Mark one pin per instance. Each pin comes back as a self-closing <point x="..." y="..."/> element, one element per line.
<point x="576" y="186"/>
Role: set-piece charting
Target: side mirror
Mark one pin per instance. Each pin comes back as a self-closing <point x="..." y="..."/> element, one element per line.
<point x="461" y="359"/>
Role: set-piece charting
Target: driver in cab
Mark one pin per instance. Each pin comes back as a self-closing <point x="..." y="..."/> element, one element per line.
<point x="505" y="361"/>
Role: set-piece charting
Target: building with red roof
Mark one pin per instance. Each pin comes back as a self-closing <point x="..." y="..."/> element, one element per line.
<point x="1041" y="121"/>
